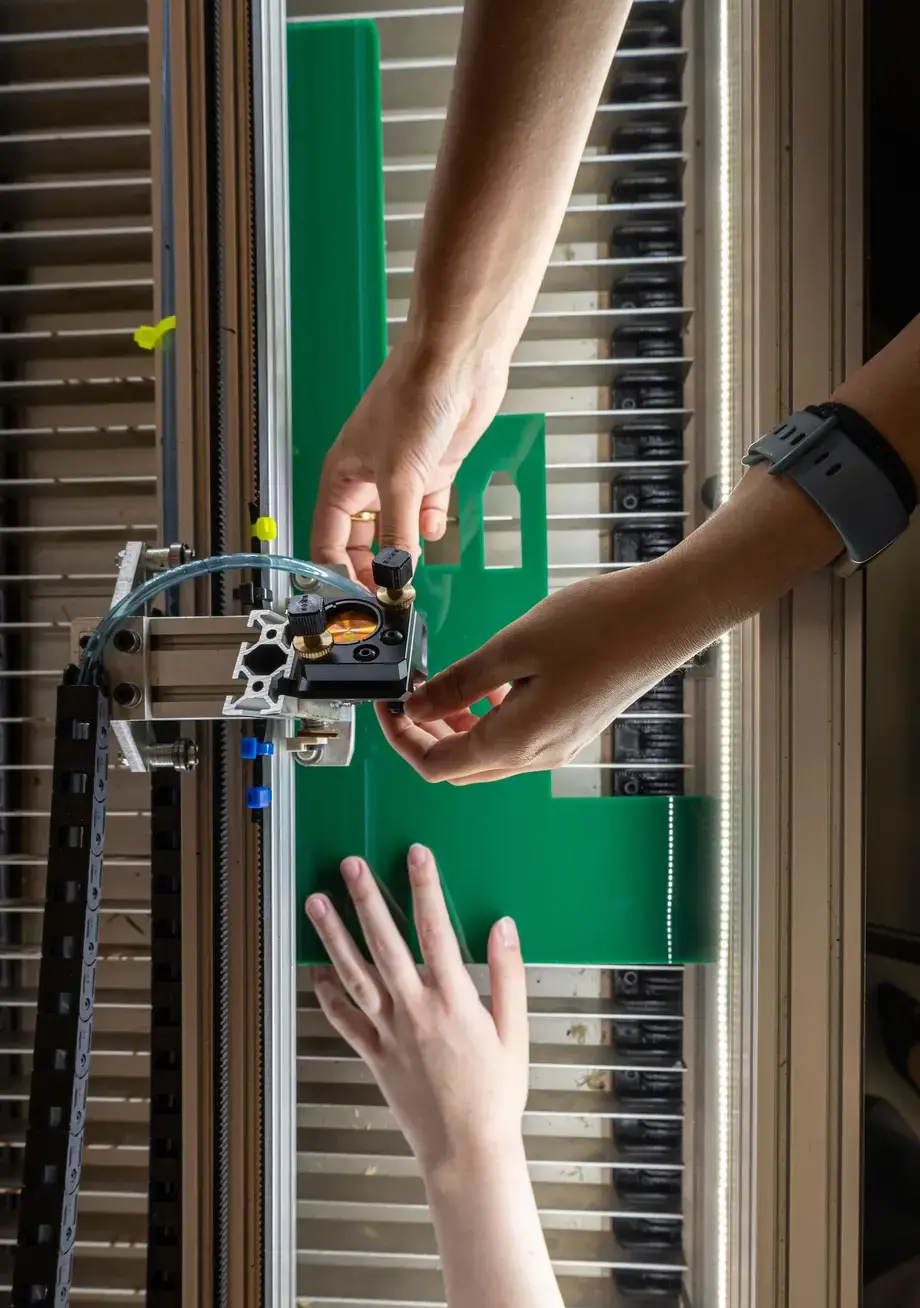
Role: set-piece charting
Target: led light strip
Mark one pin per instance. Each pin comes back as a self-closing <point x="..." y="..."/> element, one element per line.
<point x="728" y="655"/>
<point x="670" y="915"/>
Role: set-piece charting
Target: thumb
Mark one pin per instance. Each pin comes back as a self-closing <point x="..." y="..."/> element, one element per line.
<point x="509" y="988"/>
<point x="464" y="682"/>
<point x="400" y="506"/>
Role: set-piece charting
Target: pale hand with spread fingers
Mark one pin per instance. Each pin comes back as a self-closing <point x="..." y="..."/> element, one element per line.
<point x="454" y="1074"/>
<point x="455" y="1078"/>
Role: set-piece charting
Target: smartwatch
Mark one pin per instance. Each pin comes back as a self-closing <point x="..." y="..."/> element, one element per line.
<point x="846" y="468"/>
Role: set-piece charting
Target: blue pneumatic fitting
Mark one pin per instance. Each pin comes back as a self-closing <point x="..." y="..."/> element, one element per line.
<point x="250" y="747"/>
<point x="258" y="796"/>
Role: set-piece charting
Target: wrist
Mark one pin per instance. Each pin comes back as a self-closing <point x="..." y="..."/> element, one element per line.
<point x="445" y="345"/>
<point x="476" y="1170"/>
<point x="782" y="536"/>
<point x="440" y="360"/>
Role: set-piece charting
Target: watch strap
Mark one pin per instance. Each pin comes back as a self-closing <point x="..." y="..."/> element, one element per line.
<point x="838" y="475"/>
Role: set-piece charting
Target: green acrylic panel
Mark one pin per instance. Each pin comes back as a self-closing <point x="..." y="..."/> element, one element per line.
<point x="592" y="881"/>
<point x="338" y="303"/>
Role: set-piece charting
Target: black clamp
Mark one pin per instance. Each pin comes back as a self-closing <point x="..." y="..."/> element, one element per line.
<point x="251" y="595"/>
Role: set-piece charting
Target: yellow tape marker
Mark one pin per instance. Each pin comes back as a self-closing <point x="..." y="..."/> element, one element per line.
<point x="148" y="338"/>
<point x="265" y="529"/>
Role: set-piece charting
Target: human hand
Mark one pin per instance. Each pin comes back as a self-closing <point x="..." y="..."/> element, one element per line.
<point x="574" y="662"/>
<point x="399" y="452"/>
<point x="454" y="1075"/>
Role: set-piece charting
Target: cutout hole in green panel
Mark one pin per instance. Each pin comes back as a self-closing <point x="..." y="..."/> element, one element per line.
<point x="502" y="500"/>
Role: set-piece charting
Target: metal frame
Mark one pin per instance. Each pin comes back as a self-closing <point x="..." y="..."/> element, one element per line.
<point x="216" y="389"/>
<point x="239" y="1152"/>
<point x="778" y="1149"/>
<point x="279" y="907"/>
<point x="796" y="1158"/>
<point x="796" y="961"/>
<point x="194" y="512"/>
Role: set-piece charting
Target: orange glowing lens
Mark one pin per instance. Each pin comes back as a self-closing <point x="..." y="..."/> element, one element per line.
<point x="349" y="626"/>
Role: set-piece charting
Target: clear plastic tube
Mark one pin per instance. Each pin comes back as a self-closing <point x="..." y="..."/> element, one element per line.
<point x="142" y="594"/>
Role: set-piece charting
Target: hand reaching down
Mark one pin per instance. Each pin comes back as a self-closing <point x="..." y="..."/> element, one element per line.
<point x="399" y="453"/>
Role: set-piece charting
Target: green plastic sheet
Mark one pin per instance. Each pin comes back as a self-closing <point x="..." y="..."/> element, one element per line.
<point x="592" y="881"/>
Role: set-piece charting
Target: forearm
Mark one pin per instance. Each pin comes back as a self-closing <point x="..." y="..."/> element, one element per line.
<point x="769" y="536"/>
<point x="762" y="542"/>
<point x="529" y="76"/>
<point x="886" y="390"/>
<point x="492" y="1248"/>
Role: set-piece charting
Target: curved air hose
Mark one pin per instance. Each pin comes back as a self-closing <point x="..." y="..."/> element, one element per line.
<point x="142" y="594"/>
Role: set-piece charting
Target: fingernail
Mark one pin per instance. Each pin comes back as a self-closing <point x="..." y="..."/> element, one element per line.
<point x="317" y="907"/>
<point x="351" y="868"/>
<point x="418" y="855"/>
<point x="508" y="933"/>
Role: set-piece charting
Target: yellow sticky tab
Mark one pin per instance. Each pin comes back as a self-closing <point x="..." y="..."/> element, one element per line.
<point x="265" y="529"/>
<point x="148" y="338"/>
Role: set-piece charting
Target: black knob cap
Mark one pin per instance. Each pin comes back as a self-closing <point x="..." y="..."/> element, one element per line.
<point x="306" y="616"/>
<point x="392" y="568"/>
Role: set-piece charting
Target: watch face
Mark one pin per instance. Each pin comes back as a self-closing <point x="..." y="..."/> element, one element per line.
<point x="349" y="625"/>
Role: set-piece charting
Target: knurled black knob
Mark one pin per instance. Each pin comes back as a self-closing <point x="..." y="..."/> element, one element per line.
<point x="306" y="616"/>
<point x="392" y="568"/>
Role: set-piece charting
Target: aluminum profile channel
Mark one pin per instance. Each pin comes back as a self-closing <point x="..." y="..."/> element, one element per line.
<point x="191" y="272"/>
<point x="217" y="420"/>
<point x="274" y="398"/>
<point x="234" y="455"/>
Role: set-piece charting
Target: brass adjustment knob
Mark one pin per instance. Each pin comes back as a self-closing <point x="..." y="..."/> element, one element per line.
<point x="306" y="627"/>
<point x="392" y="569"/>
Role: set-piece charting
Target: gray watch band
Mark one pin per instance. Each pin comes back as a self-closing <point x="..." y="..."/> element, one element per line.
<point x="839" y="478"/>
